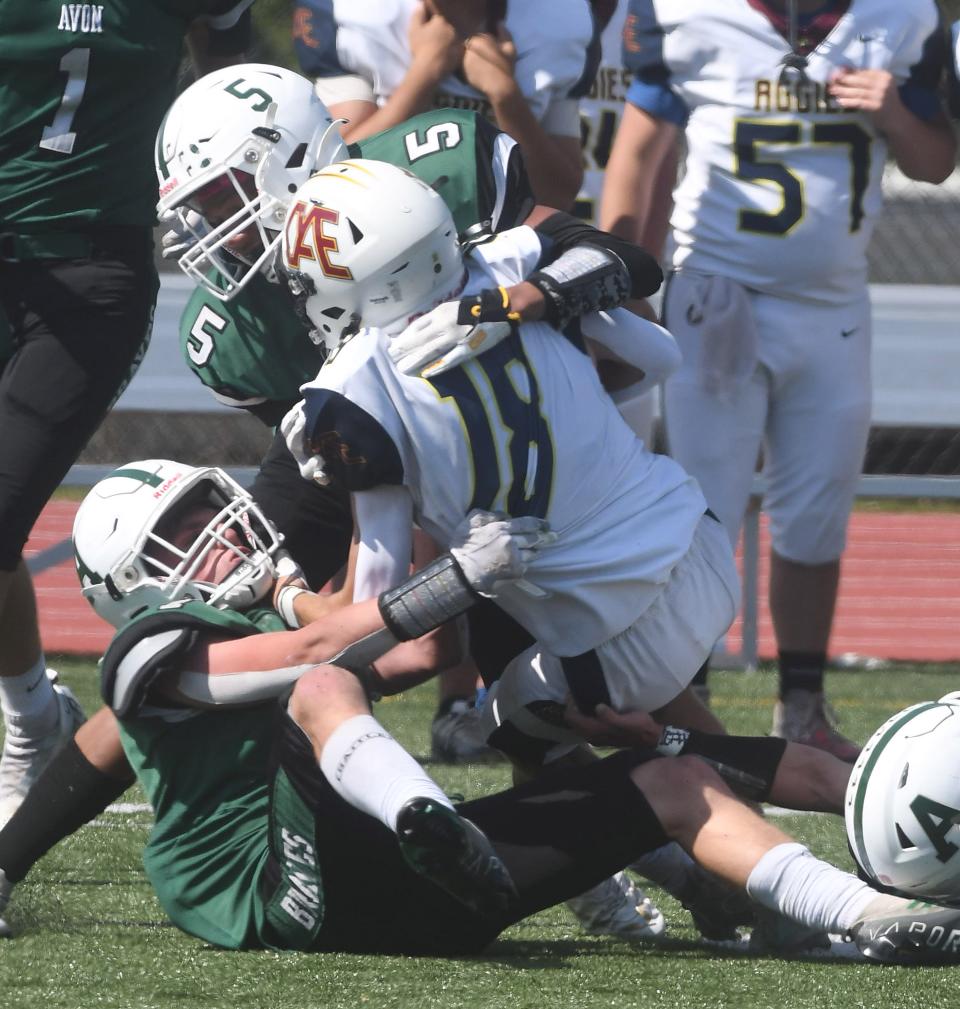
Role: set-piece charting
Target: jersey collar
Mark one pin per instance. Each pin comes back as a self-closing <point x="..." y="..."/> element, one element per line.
<point x="813" y="28"/>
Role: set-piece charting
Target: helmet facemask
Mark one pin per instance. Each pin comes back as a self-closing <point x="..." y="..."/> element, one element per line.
<point x="246" y="543"/>
<point x="154" y="532"/>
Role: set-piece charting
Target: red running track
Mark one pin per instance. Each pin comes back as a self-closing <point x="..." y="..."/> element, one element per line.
<point x="899" y="595"/>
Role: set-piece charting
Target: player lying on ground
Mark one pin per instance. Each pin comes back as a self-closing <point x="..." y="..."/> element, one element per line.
<point x="268" y="818"/>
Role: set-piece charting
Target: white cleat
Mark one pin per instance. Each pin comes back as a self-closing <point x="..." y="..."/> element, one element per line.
<point x="24" y="758"/>
<point x="619" y="908"/>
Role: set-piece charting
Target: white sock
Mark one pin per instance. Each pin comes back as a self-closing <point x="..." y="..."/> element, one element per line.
<point x="369" y="769"/>
<point x="789" y="879"/>
<point x="28" y="701"/>
<point x="669" y="866"/>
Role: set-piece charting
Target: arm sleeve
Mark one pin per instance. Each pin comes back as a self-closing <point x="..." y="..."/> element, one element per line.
<point x="384" y="518"/>
<point x="636" y="341"/>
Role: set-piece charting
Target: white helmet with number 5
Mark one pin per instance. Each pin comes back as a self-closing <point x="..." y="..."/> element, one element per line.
<point x="241" y="138"/>
<point x="144" y="534"/>
<point x="903" y="802"/>
<point x="368" y="244"/>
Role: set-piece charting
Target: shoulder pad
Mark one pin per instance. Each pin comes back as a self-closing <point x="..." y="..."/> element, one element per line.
<point x="151" y="645"/>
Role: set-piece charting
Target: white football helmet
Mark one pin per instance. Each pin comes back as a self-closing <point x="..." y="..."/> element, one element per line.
<point x="126" y="561"/>
<point x="368" y="244"/>
<point x="259" y="130"/>
<point x="903" y="802"/>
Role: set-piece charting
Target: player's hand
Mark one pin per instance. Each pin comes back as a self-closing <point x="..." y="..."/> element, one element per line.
<point x="872" y="91"/>
<point x="435" y="44"/>
<point x="606" y="727"/>
<point x="492" y="549"/>
<point x="292" y="427"/>
<point x="489" y="61"/>
<point x="185" y="231"/>
<point x="449" y="335"/>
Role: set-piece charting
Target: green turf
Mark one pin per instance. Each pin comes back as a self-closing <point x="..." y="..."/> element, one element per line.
<point x="91" y="933"/>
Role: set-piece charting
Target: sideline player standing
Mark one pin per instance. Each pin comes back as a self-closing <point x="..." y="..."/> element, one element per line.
<point x="77" y="279"/>
<point x="788" y="110"/>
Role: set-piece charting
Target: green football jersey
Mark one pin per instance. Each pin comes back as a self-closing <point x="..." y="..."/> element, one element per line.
<point x="250" y="351"/>
<point x="83" y="88"/>
<point x="207" y="777"/>
<point x="476" y="168"/>
<point x="254" y="350"/>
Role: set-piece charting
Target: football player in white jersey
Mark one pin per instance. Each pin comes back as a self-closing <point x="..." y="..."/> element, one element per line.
<point x="641" y="579"/>
<point x="788" y="110"/>
<point x="523" y="64"/>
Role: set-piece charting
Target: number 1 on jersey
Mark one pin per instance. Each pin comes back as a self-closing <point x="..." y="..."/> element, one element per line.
<point x="58" y="136"/>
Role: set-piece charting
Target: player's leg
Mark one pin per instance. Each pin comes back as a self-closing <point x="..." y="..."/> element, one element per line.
<point x="817" y="433"/>
<point x="374" y="899"/>
<point x="79" y="782"/>
<point x="80" y="327"/>
<point x="369" y="769"/>
<point x="715" y="404"/>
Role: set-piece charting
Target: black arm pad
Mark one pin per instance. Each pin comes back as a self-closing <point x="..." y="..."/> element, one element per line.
<point x="428" y="598"/>
<point x="561" y="232"/>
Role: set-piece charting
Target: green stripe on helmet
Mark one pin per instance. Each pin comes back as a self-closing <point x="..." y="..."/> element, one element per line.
<point x="861" y="786"/>
<point x="144" y="476"/>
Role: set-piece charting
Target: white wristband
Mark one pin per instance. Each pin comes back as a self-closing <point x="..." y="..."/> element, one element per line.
<point x="284" y="604"/>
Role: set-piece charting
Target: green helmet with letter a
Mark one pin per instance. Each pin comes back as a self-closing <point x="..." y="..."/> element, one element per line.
<point x="902" y="804"/>
<point x="131" y="552"/>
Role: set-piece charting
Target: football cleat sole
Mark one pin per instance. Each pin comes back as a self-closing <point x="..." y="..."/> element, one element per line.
<point x="454" y="853"/>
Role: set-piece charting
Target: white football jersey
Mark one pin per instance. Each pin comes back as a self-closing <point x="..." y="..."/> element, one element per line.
<point x="524" y="429"/>
<point x="369" y="38"/>
<point x="600" y="111"/>
<point x="768" y="160"/>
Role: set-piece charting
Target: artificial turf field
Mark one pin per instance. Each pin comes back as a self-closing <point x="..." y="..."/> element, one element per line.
<point x="91" y="934"/>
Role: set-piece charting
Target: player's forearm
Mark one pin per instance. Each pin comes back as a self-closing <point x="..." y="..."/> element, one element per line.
<point x="924" y="151"/>
<point x="414" y="94"/>
<point x="555" y="173"/>
<point x="641" y="169"/>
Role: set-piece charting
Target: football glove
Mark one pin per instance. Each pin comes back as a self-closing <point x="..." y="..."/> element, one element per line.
<point x="291" y="427"/>
<point x="491" y="549"/>
<point x="453" y="333"/>
<point x="186" y="230"/>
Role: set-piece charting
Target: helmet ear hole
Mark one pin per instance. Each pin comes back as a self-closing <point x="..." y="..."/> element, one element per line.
<point x="905" y="841"/>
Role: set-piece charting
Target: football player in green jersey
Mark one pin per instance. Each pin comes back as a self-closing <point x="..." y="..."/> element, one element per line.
<point x="77" y="279"/>
<point x="268" y="817"/>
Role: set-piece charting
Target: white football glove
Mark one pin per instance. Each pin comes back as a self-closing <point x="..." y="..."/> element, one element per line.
<point x="492" y="549"/>
<point x="185" y="231"/>
<point x="436" y="342"/>
<point x="291" y="427"/>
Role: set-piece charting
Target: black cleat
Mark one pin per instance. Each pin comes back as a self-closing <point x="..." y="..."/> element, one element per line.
<point x="903" y="931"/>
<point x="455" y="854"/>
<point x="717" y="907"/>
